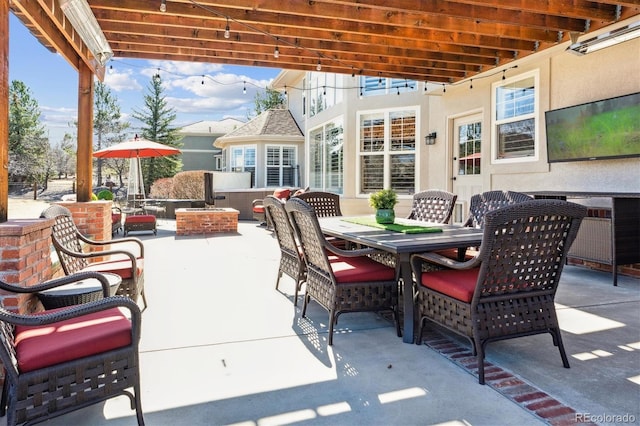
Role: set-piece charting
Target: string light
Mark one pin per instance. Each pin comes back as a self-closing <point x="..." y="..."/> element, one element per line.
<point x="444" y="88"/>
<point x="319" y="66"/>
<point x="202" y="82"/>
<point x="163" y="5"/>
<point x="471" y="84"/>
<point x="227" y="33"/>
<point x="244" y="89"/>
<point x="276" y="52"/>
<point x="503" y="76"/>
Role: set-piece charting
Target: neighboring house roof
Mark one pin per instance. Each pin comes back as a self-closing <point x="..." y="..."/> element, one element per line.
<point x="273" y="123"/>
<point x="211" y="127"/>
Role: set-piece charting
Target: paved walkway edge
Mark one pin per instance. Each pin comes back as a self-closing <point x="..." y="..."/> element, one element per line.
<point x="547" y="408"/>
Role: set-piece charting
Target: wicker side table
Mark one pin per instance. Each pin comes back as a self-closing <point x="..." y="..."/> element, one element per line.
<point x="79" y="292"/>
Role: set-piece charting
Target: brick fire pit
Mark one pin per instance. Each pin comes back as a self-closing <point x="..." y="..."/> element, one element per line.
<point x="199" y="221"/>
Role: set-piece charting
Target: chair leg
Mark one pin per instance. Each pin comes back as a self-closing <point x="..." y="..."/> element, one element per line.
<point x="278" y="279"/>
<point x="479" y="348"/>
<point x="144" y="300"/>
<point x="557" y="338"/>
<point x="396" y="318"/>
<point x="304" y="306"/>
<point x="136" y="390"/>
<point x="332" y="320"/>
<point x="3" y="402"/>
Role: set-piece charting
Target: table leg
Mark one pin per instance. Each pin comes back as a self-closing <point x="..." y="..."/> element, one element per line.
<point x="407" y="297"/>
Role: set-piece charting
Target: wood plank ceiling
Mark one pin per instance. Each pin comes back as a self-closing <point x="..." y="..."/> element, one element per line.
<point x="437" y="41"/>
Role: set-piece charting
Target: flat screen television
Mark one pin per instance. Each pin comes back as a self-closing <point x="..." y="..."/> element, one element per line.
<point x="608" y="128"/>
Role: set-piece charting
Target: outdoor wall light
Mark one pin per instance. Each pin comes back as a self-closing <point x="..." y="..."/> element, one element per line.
<point x="430" y="139"/>
<point x="84" y="22"/>
<point x="602" y="41"/>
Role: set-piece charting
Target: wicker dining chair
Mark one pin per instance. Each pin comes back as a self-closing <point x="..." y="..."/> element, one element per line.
<point x="508" y="290"/>
<point x="324" y="204"/>
<point x="59" y="361"/>
<point x="340" y="281"/>
<point x="70" y="245"/>
<point x="433" y="205"/>
<point x="487" y="201"/>
<point x="291" y="258"/>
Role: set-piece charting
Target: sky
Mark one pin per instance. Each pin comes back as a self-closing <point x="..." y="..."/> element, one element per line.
<point x="53" y="82"/>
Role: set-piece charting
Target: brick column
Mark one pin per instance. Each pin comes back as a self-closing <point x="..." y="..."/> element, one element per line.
<point x="92" y="218"/>
<point x="25" y="258"/>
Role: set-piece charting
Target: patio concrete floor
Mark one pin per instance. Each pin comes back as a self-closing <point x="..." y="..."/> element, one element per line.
<point x="221" y="346"/>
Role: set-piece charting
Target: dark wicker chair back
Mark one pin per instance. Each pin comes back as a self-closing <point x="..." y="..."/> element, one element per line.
<point x="291" y="260"/>
<point x="325" y="204"/>
<point x="433" y="205"/>
<point x="515" y="277"/>
<point x="340" y="295"/>
<point x="69" y="244"/>
<point x="40" y="392"/>
<point x="488" y="201"/>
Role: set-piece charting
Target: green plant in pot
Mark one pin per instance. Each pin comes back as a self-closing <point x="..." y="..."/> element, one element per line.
<point x="384" y="201"/>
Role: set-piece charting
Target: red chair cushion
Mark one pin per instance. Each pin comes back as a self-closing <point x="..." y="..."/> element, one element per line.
<point x="258" y="209"/>
<point x="282" y="194"/>
<point x="360" y="269"/>
<point x="459" y="284"/>
<point x="120" y="267"/>
<point x="141" y="218"/>
<point x="45" y="345"/>
<point x="116" y="217"/>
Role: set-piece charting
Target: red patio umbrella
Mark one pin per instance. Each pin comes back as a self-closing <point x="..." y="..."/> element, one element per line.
<point x="135" y="149"/>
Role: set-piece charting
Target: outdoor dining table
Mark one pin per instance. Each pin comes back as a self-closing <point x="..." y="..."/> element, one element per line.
<point x="402" y="245"/>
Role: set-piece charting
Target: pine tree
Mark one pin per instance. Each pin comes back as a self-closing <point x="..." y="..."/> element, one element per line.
<point x="28" y="144"/>
<point x="157" y="118"/>
<point x="269" y="99"/>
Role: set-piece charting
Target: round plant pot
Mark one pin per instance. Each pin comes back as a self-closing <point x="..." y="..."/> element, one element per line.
<point x="385" y="216"/>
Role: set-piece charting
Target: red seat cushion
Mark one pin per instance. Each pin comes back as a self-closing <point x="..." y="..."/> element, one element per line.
<point x="120" y="267"/>
<point x="116" y="217"/>
<point x="258" y="209"/>
<point x="360" y="269"/>
<point x="46" y="345"/>
<point x="459" y="284"/>
<point x="282" y="194"/>
<point x="140" y="218"/>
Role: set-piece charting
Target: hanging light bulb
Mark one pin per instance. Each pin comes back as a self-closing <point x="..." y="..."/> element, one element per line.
<point x="202" y="82"/>
<point x="110" y="69"/>
<point x="444" y="88"/>
<point x="503" y="76"/>
<point x="319" y="66"/>
<point x="163" y="5"/>
<point x="285" y="90"/>
<point x="276" y="52"/>
<point x="227" y="33"/>
<point x="471" y="84"/>
<point x="244" y="89"/>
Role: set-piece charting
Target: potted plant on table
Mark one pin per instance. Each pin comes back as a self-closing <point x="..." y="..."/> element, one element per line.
<point x="384" y="201"/>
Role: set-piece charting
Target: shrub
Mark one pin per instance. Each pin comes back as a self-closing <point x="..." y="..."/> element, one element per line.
<point x="188" y="185"/>
<point x="105" y="194"/>
<point x="162" y="188"/>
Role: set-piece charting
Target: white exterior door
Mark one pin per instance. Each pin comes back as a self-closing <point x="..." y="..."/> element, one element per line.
<point x="467" y="162"/>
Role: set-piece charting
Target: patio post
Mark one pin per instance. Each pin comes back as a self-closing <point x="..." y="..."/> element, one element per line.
<point x="4" y="111"/>
<point x="84" y="166"/>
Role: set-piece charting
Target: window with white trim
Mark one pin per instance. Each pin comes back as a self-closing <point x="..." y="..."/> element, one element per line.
<point x="282" y="166"/>
<point x="371" y="86"/>
<point x="515" y="120"/>
<point x="325" y="91"/>
<point x="326" y="158"/>
<point x="243" y="159"/>
<point x="387" y="151"/>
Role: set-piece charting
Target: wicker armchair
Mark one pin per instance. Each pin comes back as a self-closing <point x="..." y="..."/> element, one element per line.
<point x="59" y="361"/>
<point x="433" y="205"/>
<point x="325" y="204"/>
<point x="340" y="280"/>
<point x="488" y="201"/>
<point x="291" y="259"/>
<point x="508" y="290"/>
<point x="69" y="242"/>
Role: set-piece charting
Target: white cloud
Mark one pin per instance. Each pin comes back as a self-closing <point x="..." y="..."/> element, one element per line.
<point x="121" y="80"/>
